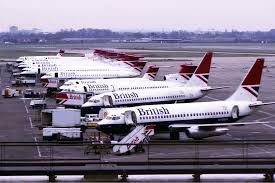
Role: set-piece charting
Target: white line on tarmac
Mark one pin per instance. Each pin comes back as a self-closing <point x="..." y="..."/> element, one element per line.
<point x="269" y="126"/>
<point x="267" y="113"/>
<point x="265" y="118"/>
<point x="38" y="148"/>
<point x="212" y="98"/>
<point x="26" y="109"/>
<point x="30" y="119"/>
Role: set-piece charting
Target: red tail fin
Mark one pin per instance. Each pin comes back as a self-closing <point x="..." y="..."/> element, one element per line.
<point x="187" y="71"/>
<point x="151" y="73"/>
<point x="204" y="66"/>
<point x="249" y="87"/>
<point x="201" y="74"/>
<point x="139" y="65"/>
<point x="253" y="77"/>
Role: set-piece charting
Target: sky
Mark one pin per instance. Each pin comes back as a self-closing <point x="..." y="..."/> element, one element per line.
<point x="138" y="15"/>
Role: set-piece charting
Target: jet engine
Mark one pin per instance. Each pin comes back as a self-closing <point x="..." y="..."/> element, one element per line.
<point x="197" y="133"/>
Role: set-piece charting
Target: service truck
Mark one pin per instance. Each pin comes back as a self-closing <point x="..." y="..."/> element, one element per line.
<point x="51" y="133"/>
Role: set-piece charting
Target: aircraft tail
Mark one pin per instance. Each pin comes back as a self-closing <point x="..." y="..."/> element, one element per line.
<point x="249" y="87"/>
<point x="184" y="75"/>
<point x="201" y="74"/>
<point x="137" y="66"/>
<point x="126" y="57"/>
<point x="187" y="71"/>
<point x="151" y="73"/>
<point x="61" y="52"/>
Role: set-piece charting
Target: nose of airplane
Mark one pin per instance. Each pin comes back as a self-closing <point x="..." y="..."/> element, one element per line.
<point x="85" y="105"/>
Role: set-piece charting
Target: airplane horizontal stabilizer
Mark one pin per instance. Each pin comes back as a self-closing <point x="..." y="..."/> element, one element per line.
<point x="260" y="104"/>
<point x="214" y="88"/>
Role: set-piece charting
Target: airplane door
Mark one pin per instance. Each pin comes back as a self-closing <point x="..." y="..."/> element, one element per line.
<point x="56" y="75"/>
<point x="85" y="89"/>
<point x="130" y="118"/>
<point x="107" y="101"/>
<point x="235" y="112"/>
<point x="38" y="71"/>
<point x="112" y="88"/>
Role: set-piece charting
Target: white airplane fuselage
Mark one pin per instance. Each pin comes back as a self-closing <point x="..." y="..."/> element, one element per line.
<point x="146" y="96"/>
<point x="99" y="88"/>
<point x="165" y="115"/>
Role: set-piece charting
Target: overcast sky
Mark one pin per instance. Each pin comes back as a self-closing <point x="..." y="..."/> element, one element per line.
<point x="138" y="15"/>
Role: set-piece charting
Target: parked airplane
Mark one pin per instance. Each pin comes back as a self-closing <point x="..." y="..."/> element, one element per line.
<point x="198" y="120"/>
<point x="185" y="73"/>
<point x="150" y="74"/>
<point x="196" y="88"/>
<point x="77" y="73"/>
<point x="99" y="88"/>
<point x="78" y="99"/>
<point x="75" y="65"/>
<point x="116" y="55"/>
<point x="183" y="76"/>
<point x="39" y="61"/>
<point x="25" y="58"/>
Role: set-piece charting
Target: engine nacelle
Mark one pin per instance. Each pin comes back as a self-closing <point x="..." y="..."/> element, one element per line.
<point x="198" y="134"/>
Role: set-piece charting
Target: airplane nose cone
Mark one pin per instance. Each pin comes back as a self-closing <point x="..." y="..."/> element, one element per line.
<point x="85" y="105"/>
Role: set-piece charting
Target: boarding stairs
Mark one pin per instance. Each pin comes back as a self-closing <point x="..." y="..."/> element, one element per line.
<point x="139" y="134"/>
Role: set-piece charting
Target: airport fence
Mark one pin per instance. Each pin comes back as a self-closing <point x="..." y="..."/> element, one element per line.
<point x="153" y="153"/>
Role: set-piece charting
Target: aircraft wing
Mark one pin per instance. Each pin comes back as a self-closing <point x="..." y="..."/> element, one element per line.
<point x="177" y="126"/>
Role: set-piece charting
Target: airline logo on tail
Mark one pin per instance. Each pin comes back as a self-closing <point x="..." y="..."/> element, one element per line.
<point x="187" y="71"/>
<point x="151" y="72"/>
<point x="201" y="74"/>
<point x="249" y="87"/>
<point x="137" y="65"/>
<point x="254" y="90"/>
<point x="251" y="82"/>
<point x="203" y="77"/>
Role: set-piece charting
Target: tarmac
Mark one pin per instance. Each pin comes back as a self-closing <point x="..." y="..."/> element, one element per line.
<point x="20" y="123"/>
